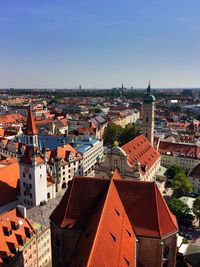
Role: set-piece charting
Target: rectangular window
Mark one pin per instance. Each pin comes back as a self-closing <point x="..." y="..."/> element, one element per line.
<point x="29" y="176"/>
<point x="24" y="174"/>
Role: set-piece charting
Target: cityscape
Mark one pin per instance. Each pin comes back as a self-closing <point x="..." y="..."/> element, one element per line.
<point x="99" y="133"/>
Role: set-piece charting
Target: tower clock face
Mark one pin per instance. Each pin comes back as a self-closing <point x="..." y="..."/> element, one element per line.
<point x="26" y="170"/>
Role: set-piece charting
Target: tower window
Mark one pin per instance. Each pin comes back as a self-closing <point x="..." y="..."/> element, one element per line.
<point x="24" y="174"/>
<point x="147" y="119"/>
<point x="146" y="134"/>
<point x="29" y="176"/>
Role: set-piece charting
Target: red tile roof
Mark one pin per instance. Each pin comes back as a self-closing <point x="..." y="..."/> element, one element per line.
<point x="139" y="149"/>
<point x="146" y="208"/>
<point x="7" y="221"/>
<point x="11" y="118"/>
<point x="144" y="205"/>
<point x="108" y="225"/>
<point x="64" y="152"/>
<point x="185" y="150"/>
<point x="30" y="126"/>
<point x="9" y="183"/>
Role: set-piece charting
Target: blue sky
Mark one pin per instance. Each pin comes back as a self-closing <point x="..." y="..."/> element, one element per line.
<point x="99" y="43"/>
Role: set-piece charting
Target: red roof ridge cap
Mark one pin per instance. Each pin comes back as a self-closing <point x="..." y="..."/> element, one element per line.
<point x="157" y="210"/>
<point x="172" y="216"/>
<point x="99" y="223"/>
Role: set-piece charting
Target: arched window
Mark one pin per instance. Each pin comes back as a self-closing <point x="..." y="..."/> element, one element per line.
<point x="48" y="195"/>
<point x="166" y="253"/>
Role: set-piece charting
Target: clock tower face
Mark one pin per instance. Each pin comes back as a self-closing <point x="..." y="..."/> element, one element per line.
<point x="26" y="170"/>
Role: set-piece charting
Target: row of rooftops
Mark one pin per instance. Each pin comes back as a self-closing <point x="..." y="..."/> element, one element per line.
<point x="179" y="149"/>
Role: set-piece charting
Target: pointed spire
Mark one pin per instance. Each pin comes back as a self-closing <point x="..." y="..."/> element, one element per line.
<point x="30" y="125"/>
<point x="149" y="88"/>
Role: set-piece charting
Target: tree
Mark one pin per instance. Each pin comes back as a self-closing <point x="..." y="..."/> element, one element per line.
<point x="181" y="211"/>
<point x="196" y="208"/>
<point x="181" y="184"/>
<point x="128" y="133"/>
<point x="172" y="171"/>
<point x="112" y="133"/>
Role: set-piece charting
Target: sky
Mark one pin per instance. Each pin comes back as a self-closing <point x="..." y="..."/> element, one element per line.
<point x="99" y="43"/>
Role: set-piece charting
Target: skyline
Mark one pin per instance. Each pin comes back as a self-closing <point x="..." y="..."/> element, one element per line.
<point x="99" y="45"/>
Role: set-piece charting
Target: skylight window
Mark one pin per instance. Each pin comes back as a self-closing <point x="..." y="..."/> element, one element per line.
<point x="113" y="237"/>
<point x="127" y="262"/>
<point x="117" y="212"/>
<point x="129" y="233"/>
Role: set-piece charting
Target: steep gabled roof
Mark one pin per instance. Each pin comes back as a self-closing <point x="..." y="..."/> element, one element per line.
<point x="109" y="236"/>
<point x="140" y="149"/>
<point x="144" y="205"/>
<point x="30" y="124"/>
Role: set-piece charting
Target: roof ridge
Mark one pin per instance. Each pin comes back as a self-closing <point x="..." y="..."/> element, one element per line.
<point x="101" y="217"/>
<point x="158" y="194"/>
<point x="157" y="210"/>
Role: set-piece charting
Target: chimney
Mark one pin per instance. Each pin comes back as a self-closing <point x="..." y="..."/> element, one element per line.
<point x="22" y="210"/>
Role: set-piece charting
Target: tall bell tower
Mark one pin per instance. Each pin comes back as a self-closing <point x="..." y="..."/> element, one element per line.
<point x="148" y="115"/>
<point x="32" y="167"/>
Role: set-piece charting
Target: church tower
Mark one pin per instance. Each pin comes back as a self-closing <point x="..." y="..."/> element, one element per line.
<point x="148" y="116"/>
<point x="33" y="169"/>
<point x="31" y="132"/>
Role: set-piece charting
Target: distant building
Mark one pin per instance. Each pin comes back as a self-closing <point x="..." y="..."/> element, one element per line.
<point x="91" y="151"/>
<point x="117" y="222"/>
<point x="186" y="156"/>
<point x="194" y="176"/>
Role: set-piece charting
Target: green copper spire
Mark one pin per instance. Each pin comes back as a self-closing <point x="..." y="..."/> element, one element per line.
<point x="149" y="98"/>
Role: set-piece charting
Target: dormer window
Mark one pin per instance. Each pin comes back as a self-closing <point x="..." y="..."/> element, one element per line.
<point x="7" y="231"/>
<point x="15" y="225"/>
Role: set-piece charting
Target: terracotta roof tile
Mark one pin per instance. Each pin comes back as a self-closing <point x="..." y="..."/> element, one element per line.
<point x="8" y="221"/>
<point x="144" y="205"/>
<point x="185" y="150"/>
<point x="9" y="183"/>
<point x="109" y="225"/>
<point x="139" y="149"/>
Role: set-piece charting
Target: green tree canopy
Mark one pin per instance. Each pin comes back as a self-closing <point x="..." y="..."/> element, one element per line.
<point x="181" y="211"/>
<point x="181" y="184"/>
<point x="172" y="171"/>
<point x="128" y="133"/>
<point x="196" y="209"/>
<point x="115" y="132"/>
<point x="112" y="133"/>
